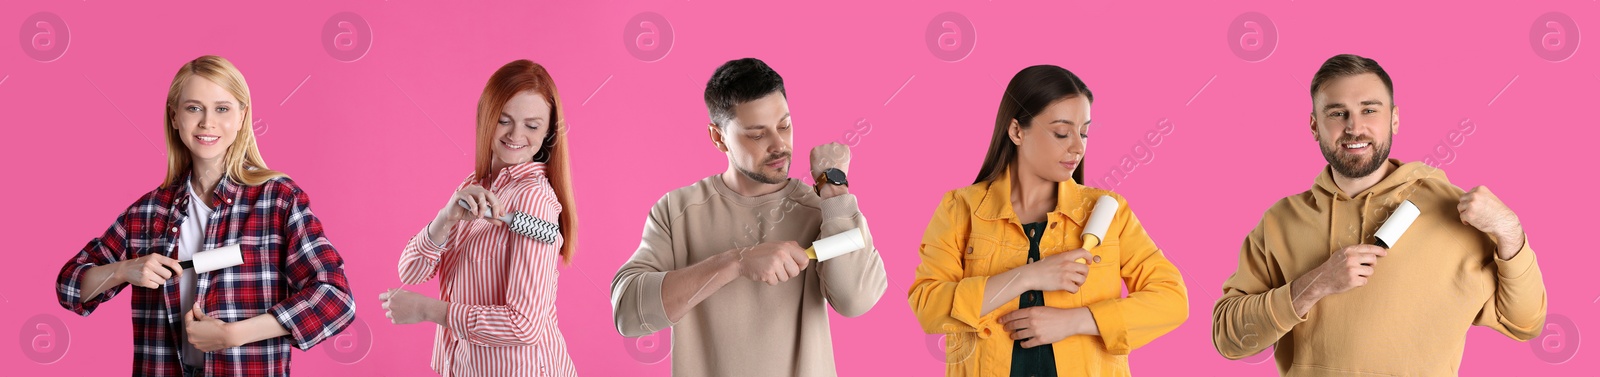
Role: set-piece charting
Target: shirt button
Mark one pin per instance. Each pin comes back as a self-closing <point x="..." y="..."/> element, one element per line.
<point x="174" y="229"/>
<point x="969" y="249"/>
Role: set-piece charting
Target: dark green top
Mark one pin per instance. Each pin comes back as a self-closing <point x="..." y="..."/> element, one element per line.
<point x="1039" y="360"/>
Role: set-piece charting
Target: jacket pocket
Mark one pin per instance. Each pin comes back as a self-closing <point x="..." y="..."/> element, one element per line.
<point x="1105" y="277"/>
<point x="978" y="258"/>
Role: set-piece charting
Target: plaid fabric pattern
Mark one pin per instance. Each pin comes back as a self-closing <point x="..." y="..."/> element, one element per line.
<point x="290" y="272"/>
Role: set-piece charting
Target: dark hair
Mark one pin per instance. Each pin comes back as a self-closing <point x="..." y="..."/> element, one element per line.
<point x="737" y="82"/>
<point x="1029" y="92"/>
<point x="1349" y="65"/>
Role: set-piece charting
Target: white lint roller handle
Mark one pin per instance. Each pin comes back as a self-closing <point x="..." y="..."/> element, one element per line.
<point x="836" y="245"/>
<point x="215" y="259"/>
<point x="1099" y="221"/>
<point x="1404" y="215"/>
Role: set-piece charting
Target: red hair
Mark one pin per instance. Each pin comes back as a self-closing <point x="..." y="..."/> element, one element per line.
<point x="517" y="77"/>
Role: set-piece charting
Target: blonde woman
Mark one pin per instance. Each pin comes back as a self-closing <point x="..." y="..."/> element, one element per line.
<point x="290" y="289"/>
<point x="496" y="313"/>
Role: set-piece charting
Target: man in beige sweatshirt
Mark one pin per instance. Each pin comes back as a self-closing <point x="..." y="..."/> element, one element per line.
<point x="723" y="260"/>
<point x="1311" y="282"/>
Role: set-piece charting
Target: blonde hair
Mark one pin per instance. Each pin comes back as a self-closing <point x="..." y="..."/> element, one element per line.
<point x="516" y="77"/>
<point x="242" y="162"/>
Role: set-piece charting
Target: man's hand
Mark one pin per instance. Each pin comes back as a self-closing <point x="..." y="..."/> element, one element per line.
<point x="1346" y="269"/>
<point x="1481" y="209"/>
<point x="829" y="156"/>
<point x="772" y="262"/>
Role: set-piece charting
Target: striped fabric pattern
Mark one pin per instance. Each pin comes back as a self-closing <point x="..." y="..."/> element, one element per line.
<point x="501" y="286"/>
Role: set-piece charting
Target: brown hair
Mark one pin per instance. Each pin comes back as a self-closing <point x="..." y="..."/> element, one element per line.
<point x="242" y="162"/>
<point x="1343" y="65"/>
<point x="1030" y="92"/>
<point x="516" y="77"/>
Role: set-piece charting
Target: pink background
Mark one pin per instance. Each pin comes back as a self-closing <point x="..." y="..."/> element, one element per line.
<point x="380" y="140"/>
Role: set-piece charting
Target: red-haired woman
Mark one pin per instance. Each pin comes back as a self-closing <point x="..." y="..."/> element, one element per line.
<point x="496" y="312"/>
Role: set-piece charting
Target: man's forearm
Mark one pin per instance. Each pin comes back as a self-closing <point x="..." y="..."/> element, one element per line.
<point x="1304" y="292"/>
<point x="684" y="288"/>
<point x="1509" y="244"/>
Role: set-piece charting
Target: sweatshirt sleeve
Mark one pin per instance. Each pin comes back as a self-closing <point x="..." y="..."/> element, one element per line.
<point x="852" y="282"/>
<point x="1256" y="308"/>
<point x="636" y="289"/>
<point x="1519" y="303"/>
<point x="1157" y="300"/>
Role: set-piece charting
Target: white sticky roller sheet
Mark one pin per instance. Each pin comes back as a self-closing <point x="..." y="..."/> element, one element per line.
<point x="836" y="245"/>
<point x="218" y="258"/>
<point x="1389" y="234"/>
<point x="1105" y="209"/>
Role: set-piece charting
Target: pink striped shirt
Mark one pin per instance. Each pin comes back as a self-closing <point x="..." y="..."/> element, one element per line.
<point x="501" y="286"/>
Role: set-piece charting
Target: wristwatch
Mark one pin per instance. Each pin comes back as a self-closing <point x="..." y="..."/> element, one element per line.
<point x="832" y="176"/>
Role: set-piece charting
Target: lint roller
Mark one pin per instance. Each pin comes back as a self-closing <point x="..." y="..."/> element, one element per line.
<point x="525" y="224"/>
<point x="1396" y="225"/>
<point x="215" y="259"/>
<point x="1099" y="221"/>
<point x="836" y="245"/>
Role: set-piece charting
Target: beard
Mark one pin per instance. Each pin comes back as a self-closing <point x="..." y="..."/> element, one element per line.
<point x="771" y="179"/>
<point x="1356" y="166"/>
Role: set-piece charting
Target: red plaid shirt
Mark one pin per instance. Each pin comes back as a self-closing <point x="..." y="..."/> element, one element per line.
<point x="290" y="271"/>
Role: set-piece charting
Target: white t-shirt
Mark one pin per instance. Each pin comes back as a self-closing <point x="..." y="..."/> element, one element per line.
<point x="191" y="237"/>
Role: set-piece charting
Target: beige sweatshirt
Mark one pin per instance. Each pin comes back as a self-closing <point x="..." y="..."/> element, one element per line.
<point x="748" y="328"/>
<point x="1411" y="318"/>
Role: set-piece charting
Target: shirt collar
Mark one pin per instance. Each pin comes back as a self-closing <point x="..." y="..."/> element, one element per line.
<point x="224" y="193"/>
<point x="518" y="172"/>
<point x="996" y="204"/>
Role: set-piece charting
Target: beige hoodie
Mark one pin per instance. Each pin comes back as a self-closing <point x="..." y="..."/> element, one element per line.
<point x="1412" y="316"/>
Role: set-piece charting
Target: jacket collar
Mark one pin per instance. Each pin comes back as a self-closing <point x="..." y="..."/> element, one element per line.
<point x="996" y="204"/>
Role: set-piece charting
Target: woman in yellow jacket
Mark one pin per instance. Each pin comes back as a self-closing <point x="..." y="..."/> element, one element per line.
<point x="1003" y="271"/>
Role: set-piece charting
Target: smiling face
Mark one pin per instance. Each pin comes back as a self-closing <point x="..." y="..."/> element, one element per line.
<point x="521" y="129"/>
<point x="208" y="119"/>
<point x="759" y="139"/>
<point x="1354" y="121"/>
<point x="1054" y="144"/>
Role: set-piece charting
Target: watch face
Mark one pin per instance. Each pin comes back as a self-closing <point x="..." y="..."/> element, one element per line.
<point x="836" y="176"/>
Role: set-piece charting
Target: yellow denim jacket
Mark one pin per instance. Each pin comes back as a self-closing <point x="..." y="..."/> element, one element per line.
<point x="975" y="234"/>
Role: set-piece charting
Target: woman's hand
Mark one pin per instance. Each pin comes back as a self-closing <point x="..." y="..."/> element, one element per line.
<point x="149" y="271"/>
<point x="206" y="333"/>
<point x="1042" y="325"/>
<point x="482" y="202"/>
<point x="1060" y="272"/>
<point x="404" y="307"/>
